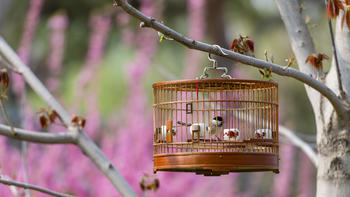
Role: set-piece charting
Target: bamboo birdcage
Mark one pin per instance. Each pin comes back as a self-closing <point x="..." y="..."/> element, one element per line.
<point x="248" y="140"/>
<point x="214" y="126"/>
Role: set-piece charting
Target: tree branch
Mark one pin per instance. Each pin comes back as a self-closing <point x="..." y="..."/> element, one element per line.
<point x="36" y="136"/>
<point x="292" y="137"/>
<point x="83" y="141"/>
<point x="340" y="84"/>
<point x="32" y="187"/>
<point x="290" y="72"/>
<point x="6" y="64"/>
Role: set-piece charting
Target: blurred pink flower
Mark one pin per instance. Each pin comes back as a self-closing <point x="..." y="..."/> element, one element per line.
<point x="57" y="24"/>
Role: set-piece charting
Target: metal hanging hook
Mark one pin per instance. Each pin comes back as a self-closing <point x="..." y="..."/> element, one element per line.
<point x="212" y="60"/>
<point x="215" y="68"/>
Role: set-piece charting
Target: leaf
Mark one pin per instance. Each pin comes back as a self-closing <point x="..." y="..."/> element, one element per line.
<point x="333" y="8"/>
<point x="242" y="45"/>
<point x="316" y="60"/>
<point x="78" y="121"/>
<point x="312" y="59"/>
<point x="5" y="80"/>
<point x="53" y="115"/>
<point x="44" y="122"/>
<point x="161" y="36"/>
<point x="233" y="44"/>
<point x="347" y="16"/>
<point x="250" y="44"/>
<point x="82" y="122"/>
<point x="290" y="60"/>
<point x="156" y="184"/>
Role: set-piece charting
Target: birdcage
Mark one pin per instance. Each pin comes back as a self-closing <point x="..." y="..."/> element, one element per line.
<point x="215" y="126"/>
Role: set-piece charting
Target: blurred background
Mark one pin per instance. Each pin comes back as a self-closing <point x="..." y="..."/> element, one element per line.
<point x="99" y="64"/>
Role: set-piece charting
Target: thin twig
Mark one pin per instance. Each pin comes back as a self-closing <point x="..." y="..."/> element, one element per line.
<point x="37" y="136"/>
<point x="192" y="44"/>
<point x="32" y="187"/>
<point x="299" y="143"/>
<point x="4" y="111"/>
<point x="8" y="65"/>
<point x="341" y="90"/>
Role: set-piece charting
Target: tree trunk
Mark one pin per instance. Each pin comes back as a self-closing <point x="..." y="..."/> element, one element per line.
<point x="333" y="173"/>
<point x="333" y="134"/>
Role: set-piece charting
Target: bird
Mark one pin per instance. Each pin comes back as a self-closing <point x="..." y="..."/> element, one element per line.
<point x="216" y="127"/>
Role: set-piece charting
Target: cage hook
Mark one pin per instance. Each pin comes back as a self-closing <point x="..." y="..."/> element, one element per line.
<point x="212" y="60"/>
<point x="214" y="67"/>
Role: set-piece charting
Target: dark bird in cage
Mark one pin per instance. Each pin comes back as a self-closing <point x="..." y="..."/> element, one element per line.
<point x="216" y="127"/>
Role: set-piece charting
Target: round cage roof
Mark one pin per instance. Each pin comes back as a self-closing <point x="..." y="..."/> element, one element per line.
<point x="214" y="84"/>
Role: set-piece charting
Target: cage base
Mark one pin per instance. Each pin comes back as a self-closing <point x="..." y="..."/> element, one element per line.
<point x="216" y="163"/>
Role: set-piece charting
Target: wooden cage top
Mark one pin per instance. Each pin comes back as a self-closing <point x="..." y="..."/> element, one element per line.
<point x="214" y="84"/>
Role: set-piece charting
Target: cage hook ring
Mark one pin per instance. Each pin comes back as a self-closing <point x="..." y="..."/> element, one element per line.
<point x="212" y="60"/>
<point x="220" y="49"/>
<point x="224" y="75"/>
<point x="205" y="74"/>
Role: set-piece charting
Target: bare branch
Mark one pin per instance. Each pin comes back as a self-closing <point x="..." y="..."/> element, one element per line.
<point x="32" y="187"/>
<point x="290" y="72"/>
<point x="334" y="49"/>
<point x="6" y="64"/>
<point x="299" y="143"/>
<point x="36" y="136"/>
<point x="308" y="138"/>
<point x="83" y="141"/>
<point x="32" y="80"/>
<point x="96" y="155"/>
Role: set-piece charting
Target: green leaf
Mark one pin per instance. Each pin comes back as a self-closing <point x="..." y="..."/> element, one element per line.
<point x="161" y="36"/>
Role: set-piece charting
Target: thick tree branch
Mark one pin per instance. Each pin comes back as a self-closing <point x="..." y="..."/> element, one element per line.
<point x="293" y="138"/>
<point x="84" y="142"/>
<point x="32" y="187"/>
<point x="290" y="72"/>
<point x="38" y="137"/>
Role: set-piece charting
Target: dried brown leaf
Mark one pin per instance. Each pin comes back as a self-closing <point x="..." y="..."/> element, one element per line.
<point x="53" y="115"/>
<point x="5" y="78"/>
<point x="44" y="122"/>
<point x="333" y="8"/>
<point x="75" y="120"/>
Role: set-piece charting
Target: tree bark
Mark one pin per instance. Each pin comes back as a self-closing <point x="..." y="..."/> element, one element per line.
<point x="333" y="133"/>
<point x="333" y="174"/>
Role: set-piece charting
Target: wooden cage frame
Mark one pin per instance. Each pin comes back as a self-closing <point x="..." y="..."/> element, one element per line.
<point x="183" y="114"/>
